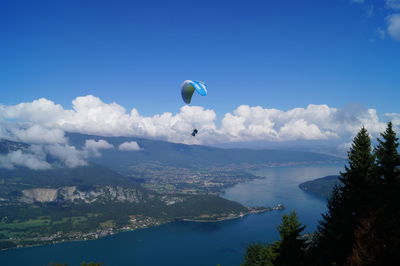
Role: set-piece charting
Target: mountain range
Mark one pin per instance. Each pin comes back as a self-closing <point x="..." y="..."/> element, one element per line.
<point x="36" y="205"/>
<point x="198" y="156"/>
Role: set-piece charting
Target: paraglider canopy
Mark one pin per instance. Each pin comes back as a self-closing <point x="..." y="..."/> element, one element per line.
<point x="188" y="88"/>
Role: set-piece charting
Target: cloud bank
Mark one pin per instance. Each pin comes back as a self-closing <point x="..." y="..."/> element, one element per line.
<point x="44" y="123"/>
<point x="32" y="123"/>
<point x="35" y="157"/>
<point x="28" y="159"/>
<point x="93" y="147"/>
<point x="129" y="146"/>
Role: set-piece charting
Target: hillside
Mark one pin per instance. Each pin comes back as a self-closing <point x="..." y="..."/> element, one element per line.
<point x="123" y="190"/>
<point x="58" y="204"/>
<point x="83" y="176"/>
<point x="321" y="186"/>
<point x="186" y="156"/>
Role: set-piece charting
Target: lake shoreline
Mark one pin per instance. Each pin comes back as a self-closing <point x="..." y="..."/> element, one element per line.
<point x="79" y="236"/>
<point x="251" y="211"/>
<point x="223" y="242"/>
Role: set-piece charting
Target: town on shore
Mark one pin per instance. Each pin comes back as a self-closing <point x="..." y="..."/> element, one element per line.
<point x="138" y="222"/>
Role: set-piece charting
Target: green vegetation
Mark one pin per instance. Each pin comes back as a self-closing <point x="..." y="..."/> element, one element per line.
<point x="28" y="224"/>
<point x="84" y="177"/>
<point x="321" y="187"/>
<point x="361" y="224"/>
<point x="25" y="224"/>
<point x="289" y="250"/>
<point x="126" y="190"/>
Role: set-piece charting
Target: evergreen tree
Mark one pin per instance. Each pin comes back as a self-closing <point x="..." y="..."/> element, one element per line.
<point x="387" y="156"/>
<point x="386" y="228"/>
<point x="359" y="190"/>
<point x="361" y="170"/>
<point x="349" y="203"/>
<point x="259" y="255"/>
<point x="331" y="240"/>
<point x="361" y="224"/>
<point x="291" y="248"/>
<point x="290" y="224"/>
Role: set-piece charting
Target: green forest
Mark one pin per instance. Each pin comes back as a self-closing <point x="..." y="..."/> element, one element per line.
<point x="361" y="225"/>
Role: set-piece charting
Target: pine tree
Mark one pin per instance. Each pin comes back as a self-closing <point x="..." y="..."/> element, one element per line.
<point x="360" y="177"/>
<point x="386" y="226"/>
<point x="329" y="241"/>
<point x="377" y="235"/>
<point x="360" y="171"/>
<point x="259" y="255"/>
<point x="387" y="155"/>
<point x="334" y="238"/>
<point x="290" y="224"/>
<point x="291" y="248"/>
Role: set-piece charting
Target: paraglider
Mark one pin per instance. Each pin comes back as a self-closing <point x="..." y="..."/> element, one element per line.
<point x="188" y="88"/>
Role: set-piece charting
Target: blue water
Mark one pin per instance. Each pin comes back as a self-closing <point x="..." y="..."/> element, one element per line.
<point x="189" y="243"/>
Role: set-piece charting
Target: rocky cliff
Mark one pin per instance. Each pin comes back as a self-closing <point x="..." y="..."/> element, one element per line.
<point x="72" y="194"/>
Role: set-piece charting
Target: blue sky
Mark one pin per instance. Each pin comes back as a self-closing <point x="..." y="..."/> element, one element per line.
<point x="276" y="54"/>
<point x="279" y="73"/>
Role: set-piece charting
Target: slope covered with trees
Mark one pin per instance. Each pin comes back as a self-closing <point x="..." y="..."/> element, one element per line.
<point x="321" y="187"/>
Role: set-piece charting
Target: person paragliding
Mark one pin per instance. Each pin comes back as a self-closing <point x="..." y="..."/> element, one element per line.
<point x="188" y="88"/>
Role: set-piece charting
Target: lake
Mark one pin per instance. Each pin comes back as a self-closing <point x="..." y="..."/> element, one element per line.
<point x="191" y="243"/>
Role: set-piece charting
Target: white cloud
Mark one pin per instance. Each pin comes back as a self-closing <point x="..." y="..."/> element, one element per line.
<point x="90" y="115"/>
<point x="250" y="123"/>
<point x="31" y="123"/>
<point x="92" y="147"/>
<point x="40" y="111"/>
<point x="33" y="159"/>
<point x="315" y="122"/>
<point x="38" y="134"/>
<point x="301" y="129"/>
<point x="394" y="26"/>
<point x="69" y="155"/>
<point x="129" y="146"/>
<point x="395" y="118"/>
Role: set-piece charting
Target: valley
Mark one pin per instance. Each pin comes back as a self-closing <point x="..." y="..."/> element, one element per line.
<point x="123" y="191"/>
